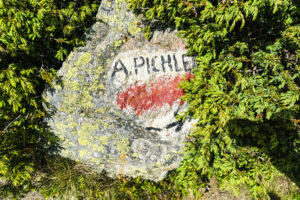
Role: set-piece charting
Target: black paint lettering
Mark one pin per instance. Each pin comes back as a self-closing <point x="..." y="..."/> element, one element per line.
<point x="163" y="62"/>
<point x="153" y="64"/>
<point x="136" y="66"/>
<point x="178" y="124"/>
<point x="148" y="65"/>
<point x="194" y="62"/>
<point x="154" y="129"/>
<point x="176" y="64"/>
<point x="122" y="68"/>
<point x="186" y="63"/>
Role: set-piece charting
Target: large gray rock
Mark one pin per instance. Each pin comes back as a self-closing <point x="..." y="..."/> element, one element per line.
<point x="116" y="98"/>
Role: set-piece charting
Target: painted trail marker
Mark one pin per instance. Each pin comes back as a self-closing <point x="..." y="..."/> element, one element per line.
<point x="148" y="87"/>
<point x="149" y="79"/>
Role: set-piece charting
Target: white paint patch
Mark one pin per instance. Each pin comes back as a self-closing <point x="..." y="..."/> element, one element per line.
<point x="140" y="67"/>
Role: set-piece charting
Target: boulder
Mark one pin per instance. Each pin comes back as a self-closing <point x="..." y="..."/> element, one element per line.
<point x="115" y="100"/>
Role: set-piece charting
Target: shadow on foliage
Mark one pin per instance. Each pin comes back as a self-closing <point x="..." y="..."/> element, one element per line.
<point x="273" y="196"/>
<point x="26" y="155"/>
<point x="25" y="140"/>
<point x="66" y="179"/>
<point x="277" y="137"/>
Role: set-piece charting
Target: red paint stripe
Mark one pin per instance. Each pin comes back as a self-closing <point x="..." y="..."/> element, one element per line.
<point x="155" y="96"/>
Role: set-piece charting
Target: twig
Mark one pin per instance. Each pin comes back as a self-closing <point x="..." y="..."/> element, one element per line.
<point x="8" y="125"/>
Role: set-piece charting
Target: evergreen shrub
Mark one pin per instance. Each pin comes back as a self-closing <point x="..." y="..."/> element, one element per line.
<point x="245" y="93"/>
<point x="35" y="37"/>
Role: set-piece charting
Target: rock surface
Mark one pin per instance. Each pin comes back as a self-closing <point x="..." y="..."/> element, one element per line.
<point x="116" y="98"/>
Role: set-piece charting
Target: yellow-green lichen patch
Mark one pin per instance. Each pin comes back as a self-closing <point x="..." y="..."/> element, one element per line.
<point x="111" y="126"/>
<point x="108" y="4"/>
<point x="108" y="61"/>
<point x="57" y="87"/>
<point x="67" y="143"/>
<point x="94" y="85"/>
<point x="66" y="153"/>
<point x="71" y="85"/>
<point x="100" y="70"/>
<point x="100" y="54"/>
<point x="100" y="110"/>
<point x="61" y="126"/>
<point x="103" y="140"/>
<point x="101" y="166"/>
<point x="135" y="155"/>
<point x="114" y="136"/>
<point x="46" y="97"/>
<point x="86" y="100"/>
<point x="173" y="151"/>
<point x="72" y="72"/>
<point x="104" y="124"/>
<point x="85" y="135"/>
<point x="118" y="43"/>
<point x="159" y="164"/>
<point x="89" y="127"/>
<point x="67" y="124"/>
<point x="84" y="59"/>
<point x="133" y="28"/>
<point x="118" y="19"/>
<point x="83" y="140"/>
<point x="123" y="146"/>
<point x="135" y="171"/>
<point x="98" y="162"/>
<point x="60" y="135"/>
<point x="83" y="153"/>
<point x="168" y="156"/>
<point x="123" y="20"/>
<point x="70" y="56"/>
<point x="72" y="124"/>
<point x="121" y="1"/>
<point x="97" y="147"/>
<point x="101" y="86"/>
<point x="70" y="102"/>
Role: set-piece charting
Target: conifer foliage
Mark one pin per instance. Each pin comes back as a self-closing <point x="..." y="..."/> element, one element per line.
<point x="35" y="36"/>
<point x="245" y="93"/>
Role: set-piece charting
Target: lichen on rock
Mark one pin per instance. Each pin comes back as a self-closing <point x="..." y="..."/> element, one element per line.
<point x="116" y="99"/>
